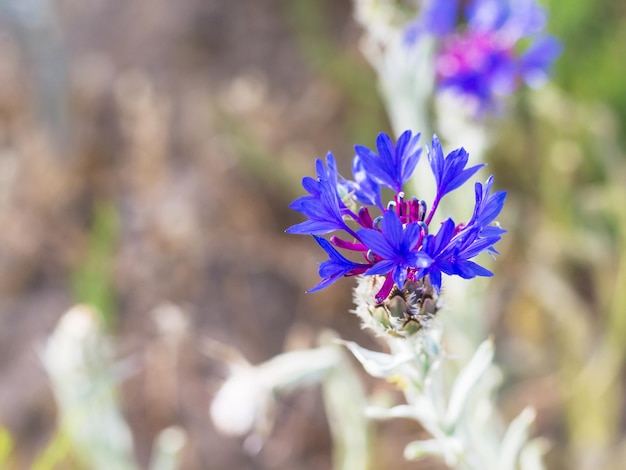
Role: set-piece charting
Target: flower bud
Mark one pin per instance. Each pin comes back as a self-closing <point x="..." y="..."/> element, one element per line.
<point x="403" y="313"/>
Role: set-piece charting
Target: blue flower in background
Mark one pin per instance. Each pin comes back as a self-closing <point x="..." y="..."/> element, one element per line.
<point x="487" y="47"/>
<point x="397" y="243"/>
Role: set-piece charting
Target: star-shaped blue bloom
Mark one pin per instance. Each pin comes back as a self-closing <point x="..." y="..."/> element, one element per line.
<point x="449" y="172"/>
<point x="452" y="253"/>
<point x="396" y="246"/>
<point x="488" y="206"/>
<point x="484" y="47"/>
<point x="323" y="206"/>
<point x="393" y="165"/>
<point x="335" y="267"/>
<point x="363" y="189"/>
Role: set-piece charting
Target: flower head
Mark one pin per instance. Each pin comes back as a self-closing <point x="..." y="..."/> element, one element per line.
<point x="396" y="246"/>
<point x="487" y="47"/>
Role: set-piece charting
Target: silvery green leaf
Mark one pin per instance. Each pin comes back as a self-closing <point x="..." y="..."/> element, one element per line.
<point x="77" y="360"/>
<point x="167" y="449"/>
<point x="298" y="368"/>
<point x="377" y="364"/>
<point x="514" y="439"/>
<point x="345" y="400"/>
<point x="244" y="403"/>
<point x="241" y="403"/>
<point x="448" y="448"/>
<point x="421" y="410"/>
<point x="467" y="380"/>
<point x="531" y="456"/>
<point x="431" y="342"/>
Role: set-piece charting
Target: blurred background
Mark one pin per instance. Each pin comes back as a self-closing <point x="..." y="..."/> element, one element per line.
<point x="148" y="154"/>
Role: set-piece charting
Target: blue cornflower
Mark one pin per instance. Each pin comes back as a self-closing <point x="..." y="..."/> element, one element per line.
<point x="393" y="165"/>
<point x="451" y="252"/>
<point x="335" y="267"/>
<point x="486" y="48"/>
<point x="323" y="207"/>
<point x="363" y="189"/>
<point x="450" y="172"/>
<point x="488" y="206"/>
<point x="395" y="246"/>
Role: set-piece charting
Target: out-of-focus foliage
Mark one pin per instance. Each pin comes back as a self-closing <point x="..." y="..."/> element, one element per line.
<point x="92" y="279"/>
<point x="6" y="445"/>
<point x="592" y="66"/>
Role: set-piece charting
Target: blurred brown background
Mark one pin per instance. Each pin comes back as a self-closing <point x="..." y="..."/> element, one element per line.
<point x="148" y="153"/>
<point x="149" y="150"/>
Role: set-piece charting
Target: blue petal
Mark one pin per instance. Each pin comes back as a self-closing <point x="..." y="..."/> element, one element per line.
<point x="382" y="267"/>
<point x="313" y="227"/>
<point x="435" y="279"/>
<point x="376" y="242"/>
<point x="492" y="231"/>
<point x="443" y="236"/>
<point x="392" y="166"/>
<point x="435" y="158"/>
<point x="439" y="16"/>
<point x="310" y="185"/>
<point x="462" y="177"/>
<point x="487" y="15"/>
<point x="335" y="267"/>
<point x="537" y="59"/>
<point x="478" y="246"/>
<point x="323" y="206"/>
<point x="410" y="237"/>
<point x="418" y="259"/>
<point x="372" y="164"/>
<point x="488" y="206"/>
<point x="469" y="270"/>
<point x="324" y="283"/>
<point x="364" y="189"/>
<point x="392" y="229"/>
<point x="526" y="18"/>
<point x="399" y="275"/>
<point x="450" y="173"/>
<point x="413" y="153"/>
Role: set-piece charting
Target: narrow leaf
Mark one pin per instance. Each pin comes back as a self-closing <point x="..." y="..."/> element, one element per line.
<point x="514" y="439"/>
<point x="376" y="364"/>
<point x="467" y="380"/>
